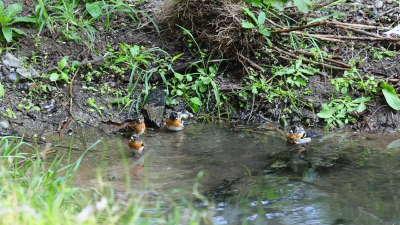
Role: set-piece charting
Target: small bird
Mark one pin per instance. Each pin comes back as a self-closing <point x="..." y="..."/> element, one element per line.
<point x="174" y="122"/>
<point x="295" y="134"/>
<point x="136" y="144"/>
<point x="139" y="127"/>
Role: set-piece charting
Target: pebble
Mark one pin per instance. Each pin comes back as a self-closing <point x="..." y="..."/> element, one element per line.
<point x="379" y="4"/>
<point x="389" y="1"/>
<point x="4" y="124"/>
<point x="12" y="77"/>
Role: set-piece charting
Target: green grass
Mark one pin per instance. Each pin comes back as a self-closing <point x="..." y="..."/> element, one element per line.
<point x="39" y="192"/>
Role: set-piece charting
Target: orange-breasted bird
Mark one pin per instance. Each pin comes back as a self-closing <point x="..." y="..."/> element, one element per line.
<point x="174" y="122"/>
<point x="136" y="144"/>
<point x="295" y="134"/>
<point x="139" y="127"/>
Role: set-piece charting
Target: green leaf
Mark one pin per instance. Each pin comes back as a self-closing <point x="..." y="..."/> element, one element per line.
<point x="266" y="32"/>
<point x="278" y="4"/>
<point x="179" y="92"/>
<point x="93" y="9"/>
<point x="203" y="88"/>
<point x="18" y="31"/>
<point x="1" y="90"/>
<point x="134" y="50"/>
<point x="179" y="76"/>
<point x="54" y="77"/>
<point x="196" y="101"/>
<point x="177" y="57"/>
<point x="189" y="77"/>
<point x="298" y="63"/>
<point x="75" y="64"/>
<point x="7" y="32"/>
<point x="247" y="25"/>
<point x="361" y="99"/>
<point x="326" y="113"/>
<point x="23" y="20"/>
<point x="13" y="9"/>
<point x="344" y="90"/>
<point x="2" y="8"/>
<point x="302" y="5"/>
<point x="261" y="19"/>
<point x="195" y="108"/>
<point x="248" y="12"/>
<point x="391" y="96"/>
<point x="63" y="62"/>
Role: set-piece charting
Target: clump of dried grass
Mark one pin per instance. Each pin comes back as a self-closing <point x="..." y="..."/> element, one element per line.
<point x="216" y="25"/>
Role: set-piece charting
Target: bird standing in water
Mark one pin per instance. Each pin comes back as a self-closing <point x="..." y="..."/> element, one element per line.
<point x="174" y="122"/>
<point x="136" y="144"/>
<point x="295" y="134"/>
<point x="139" y="127"/>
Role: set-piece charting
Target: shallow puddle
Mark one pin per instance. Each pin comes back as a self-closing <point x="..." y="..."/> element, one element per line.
<point x="256" y="177"/>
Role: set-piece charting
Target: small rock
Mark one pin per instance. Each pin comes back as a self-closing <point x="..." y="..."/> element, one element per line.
<point x="379" y="4"/>
<point x="4" y="124"/>
<point x="389" y="1"/>
<point x="10" y="60"/>
<point x="27" y="73"/>
<point x="12" y="77"/>
<point x="155" y="106"/>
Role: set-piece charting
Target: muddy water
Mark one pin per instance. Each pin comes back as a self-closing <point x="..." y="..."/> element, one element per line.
<point x="338" y="178"/>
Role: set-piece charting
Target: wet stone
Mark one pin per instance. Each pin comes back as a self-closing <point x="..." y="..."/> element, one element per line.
<point x="4" y="124"/>
<point x="12" y="61"/>
<point x="379" y="4"/>
<point x="155" y="106"/>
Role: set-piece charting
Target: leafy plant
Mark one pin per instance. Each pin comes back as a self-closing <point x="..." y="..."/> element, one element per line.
<point x="295" y="74"/>
<point x="92" y="103"/>
<point x="336" y="111"/>
<point x="303" y="5"/>
<point x="259" y="22"/>
<point x="378" y="55"/>
<point x="9" y="17"/>
<point x="63" y="70"/>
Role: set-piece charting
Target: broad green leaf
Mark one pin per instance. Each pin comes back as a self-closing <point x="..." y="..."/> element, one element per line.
<point x="302" y="5"/>
<point x="63" y="62"/>
<point x="2" y="8"/>
<point x="195" y="108"/>
<point x="24" y="20"/>
<point x="179" y="92"/>
<point x="75" y="64"/>
<point x="247" y="25"/>
<point x="326" y="113"/>
<point x="134" y="50"/>
<point x="254" y="90"/>
<point x="301" y="82"/>
<point x="54" y="77"/>
<point x="1" y="90"/>
<point x="7" y="32"/>
<point x="362" y="99"/>
<point x="13" y="9"/>
<point x="121" y="59"/>
<point x="196" y="100"/>
<point x="179" y="76"/>
<point x="268" y="41"/>
<point x="93" y="9"/>
<point x="212" y="70"/>
<point x="391" y="96"/>
<point x="261" y="19"/>
<point x="290" y="71"/>
<point x="266" y="32"/>
<point x="250" y="13"/>
<point x="203" y="88"/>
<point x="189" y="77"/>
<point x="344" y="90"/>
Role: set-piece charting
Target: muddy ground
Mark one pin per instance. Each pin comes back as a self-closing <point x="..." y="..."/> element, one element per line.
<point x="54" y="105"/>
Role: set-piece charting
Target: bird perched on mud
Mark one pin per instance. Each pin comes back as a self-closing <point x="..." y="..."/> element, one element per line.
<point x="139" y="127"/>
<point x="174" y="122"/>
<point x="136" y="144"/>
<point x="297" y="135"/>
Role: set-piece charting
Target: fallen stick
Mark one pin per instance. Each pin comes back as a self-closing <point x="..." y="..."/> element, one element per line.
<point x="314" y="36"/>
<point x="298" y="28"/>
<point x="325" y="59"/>
<point x="311" y="54"/>
<point x="323" y="65"/>
<point x="253" y="64"/>
<point x="360" y="26"/>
